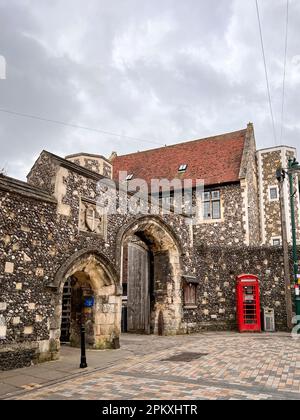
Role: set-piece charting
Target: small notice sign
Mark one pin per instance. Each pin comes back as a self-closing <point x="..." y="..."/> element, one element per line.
<point x="89" y="301"/>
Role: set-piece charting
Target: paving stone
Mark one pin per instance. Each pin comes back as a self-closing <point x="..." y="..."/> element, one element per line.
<point x="236" y="367"/>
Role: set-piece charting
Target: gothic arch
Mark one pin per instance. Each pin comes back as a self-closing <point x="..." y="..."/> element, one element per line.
<point x="140" y="224"/>
<point x="166" y="250"/>
<point x="85" y="253"/>
<point x="92" y="273"/>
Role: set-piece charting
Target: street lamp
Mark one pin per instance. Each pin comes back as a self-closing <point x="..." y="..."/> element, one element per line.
<point x="83" y="363"/>
<point x="292" y="168"/>
<point x="280" y="175"/>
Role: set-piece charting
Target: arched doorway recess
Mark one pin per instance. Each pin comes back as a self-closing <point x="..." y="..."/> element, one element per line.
<point x="88" y="288"/>
<point x="150" y="265"/>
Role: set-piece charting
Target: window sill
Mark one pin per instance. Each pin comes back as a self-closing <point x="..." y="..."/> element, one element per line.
<point x="209" y="221"/>
<point x="190" y="307"/>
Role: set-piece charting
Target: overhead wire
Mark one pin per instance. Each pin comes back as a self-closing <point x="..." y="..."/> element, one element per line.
<point x="284" y="71"/>
<point x="266" y="72"/>
<point x="77" y="126"/>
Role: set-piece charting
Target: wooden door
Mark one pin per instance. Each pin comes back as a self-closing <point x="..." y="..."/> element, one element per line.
<point x="138" y="305"/>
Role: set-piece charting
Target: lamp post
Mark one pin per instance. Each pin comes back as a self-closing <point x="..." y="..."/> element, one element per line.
<point x="280" y="175"/>
<point x="83" y="363"/>
<point x="294" y="167"/>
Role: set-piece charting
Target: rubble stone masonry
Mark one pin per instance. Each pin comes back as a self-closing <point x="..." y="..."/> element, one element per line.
<point x="268" y="161"/>
<point x="218" y="268"/>
<point x="230" y="229"/>
<point x="50" y="230"/>
<point x="41" y="242"/>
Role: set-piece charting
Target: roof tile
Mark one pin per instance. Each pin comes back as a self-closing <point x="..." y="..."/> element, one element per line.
<point x="217" y="160"/>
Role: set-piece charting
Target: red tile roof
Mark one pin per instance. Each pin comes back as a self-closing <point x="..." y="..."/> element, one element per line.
<point x="217" y="160"/>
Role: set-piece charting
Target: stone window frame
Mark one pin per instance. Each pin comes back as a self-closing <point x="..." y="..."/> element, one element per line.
<point x="276" y="238"/>
<point x="273" y="187"/>
<point x="221" y="219"/>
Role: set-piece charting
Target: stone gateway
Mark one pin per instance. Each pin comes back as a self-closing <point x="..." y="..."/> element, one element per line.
<point x="64" y="261"/>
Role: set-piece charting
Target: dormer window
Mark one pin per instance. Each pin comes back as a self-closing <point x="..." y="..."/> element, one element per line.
<point x="182" y="168"/>
<point x="129" y="177"/>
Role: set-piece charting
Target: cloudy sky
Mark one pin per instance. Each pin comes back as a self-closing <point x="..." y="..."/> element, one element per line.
<point x="162" y="71"/>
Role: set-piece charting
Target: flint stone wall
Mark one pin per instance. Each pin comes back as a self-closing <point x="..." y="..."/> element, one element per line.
<point x="16" y="358"/>
<point x="216" y="293"/>
<point x="230" y="229"/>
<point x="40" y="232"/>
<point x="35" y="242"/>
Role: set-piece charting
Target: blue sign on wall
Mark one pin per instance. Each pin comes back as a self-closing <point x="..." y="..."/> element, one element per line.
<point x="89" y="301"/>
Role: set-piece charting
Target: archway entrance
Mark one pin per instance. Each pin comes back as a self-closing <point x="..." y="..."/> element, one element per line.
<point x="78" y="305"/>
<point x="87" y="291"/>
<point x="151" y="278"/>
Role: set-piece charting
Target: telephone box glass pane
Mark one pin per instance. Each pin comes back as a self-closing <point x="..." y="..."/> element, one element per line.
<point x="250" y="313"/>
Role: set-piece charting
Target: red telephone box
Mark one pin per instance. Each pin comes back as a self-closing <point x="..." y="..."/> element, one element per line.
<point x="248" y="303"/>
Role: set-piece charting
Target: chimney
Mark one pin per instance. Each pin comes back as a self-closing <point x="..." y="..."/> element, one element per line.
<point x="113" y="156"/>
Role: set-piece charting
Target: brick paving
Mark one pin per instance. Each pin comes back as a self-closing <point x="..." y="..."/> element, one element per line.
<point x="230" y="366"/>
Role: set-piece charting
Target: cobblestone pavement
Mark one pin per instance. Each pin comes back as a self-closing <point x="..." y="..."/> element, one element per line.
<point x="207" y="366"/>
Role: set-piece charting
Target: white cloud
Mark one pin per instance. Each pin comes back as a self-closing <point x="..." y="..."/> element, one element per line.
<point x="162" y="70"/>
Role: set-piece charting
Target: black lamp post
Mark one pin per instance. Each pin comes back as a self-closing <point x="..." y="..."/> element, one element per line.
<point x="83" y="364"/>
<point x="293" y="167"/>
